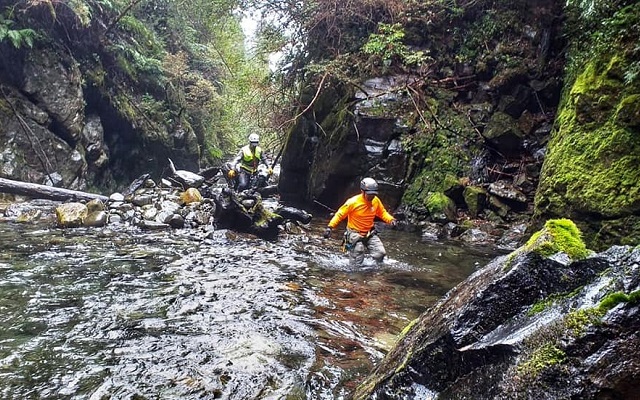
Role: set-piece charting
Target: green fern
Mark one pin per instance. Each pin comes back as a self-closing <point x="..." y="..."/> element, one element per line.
<point x="387" y="43"/>
<point x="17" y="37"/>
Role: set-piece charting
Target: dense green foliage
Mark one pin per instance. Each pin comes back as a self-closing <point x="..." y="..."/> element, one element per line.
<point x="388" y="43"/>
<point x="601" y="27"/>
<point x="212" y="75"/>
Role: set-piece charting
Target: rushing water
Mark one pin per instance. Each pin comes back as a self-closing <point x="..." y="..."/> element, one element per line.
<point x="117" y="314"/>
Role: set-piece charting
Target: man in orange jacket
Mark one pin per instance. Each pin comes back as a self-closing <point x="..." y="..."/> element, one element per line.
<point x="360" y="211"/>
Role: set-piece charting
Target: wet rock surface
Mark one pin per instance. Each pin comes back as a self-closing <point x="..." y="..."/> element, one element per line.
<point x="524" y="326"/>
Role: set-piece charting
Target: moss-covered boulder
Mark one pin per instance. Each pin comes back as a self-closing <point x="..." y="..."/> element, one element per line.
<point x="483" y="340"/>
<point x="475" y="197"/>
<point x="71" y="215"/>
<point x="591" y="172"/>
<point x="441" y="208"/>
<point x="558" y="235"/>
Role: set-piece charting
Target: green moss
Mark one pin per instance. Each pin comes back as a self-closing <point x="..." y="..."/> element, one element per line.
<point x="558" y="235"/>
<point x="440" y="203"/>
<point x="475" y="197"/>
<point x="437" y="202"/>
<point x="613" y="299"/>
<point x="545" y="303"/>
<point x="438" y="151"/>
<point x="408" y="328"/>
<point x="338" y="124"/>
<point x="591" y="163"/>
<point x="125" y="107"/>
<point x="577" y="321"/>
<point x="574" y="323"/>
<point x="467" y="224"/>
<point x="541" y="305"/>
<point x="624" y="231"/>
<point x="450" y="182"/>
<point x="628" y="111"/>
<point x="543" y="357"/>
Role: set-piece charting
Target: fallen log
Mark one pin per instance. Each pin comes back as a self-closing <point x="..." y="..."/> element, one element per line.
<point x="37" y="191"/>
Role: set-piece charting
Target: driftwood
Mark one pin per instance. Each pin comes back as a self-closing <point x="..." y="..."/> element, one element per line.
<point x="37" y="191"/>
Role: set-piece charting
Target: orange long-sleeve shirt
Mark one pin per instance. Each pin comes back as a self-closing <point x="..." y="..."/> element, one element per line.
<point x="360" y="213"/>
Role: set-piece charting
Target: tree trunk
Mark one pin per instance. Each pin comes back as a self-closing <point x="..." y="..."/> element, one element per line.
<point x="46" y="192"/>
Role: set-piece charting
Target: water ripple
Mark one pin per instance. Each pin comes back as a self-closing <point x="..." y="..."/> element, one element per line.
<point x="174" y="315"/>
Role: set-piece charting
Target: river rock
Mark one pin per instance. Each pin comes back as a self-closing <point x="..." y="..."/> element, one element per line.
<point x="116" y="197"/>
<point x="153" y="225"/>
<point x="507" y="191"/>
<point x="186" y="178"/>
<point x="71" y="215"/>
<point x="294" y="214"/>
<point x="191" y="195"/>
<point x="141" y="200"/>
<point x="176" y="221"/>
<point x="95" y="205"/>
<point x="96" y="219"/>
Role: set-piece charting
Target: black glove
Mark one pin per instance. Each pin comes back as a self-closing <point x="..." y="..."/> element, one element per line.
<point x="327" y="233"/>
<point x="394" y="223"/>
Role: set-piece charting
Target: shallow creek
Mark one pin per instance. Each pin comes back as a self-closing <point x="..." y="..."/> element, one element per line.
<point x="111" y="314"/>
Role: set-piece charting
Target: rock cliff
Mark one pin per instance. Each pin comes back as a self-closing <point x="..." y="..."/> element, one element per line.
<point x="84" y="105"/>
<point x="519" y="112"/>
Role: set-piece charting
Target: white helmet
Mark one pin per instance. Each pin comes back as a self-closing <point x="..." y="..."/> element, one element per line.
<point x="254" y="138"/>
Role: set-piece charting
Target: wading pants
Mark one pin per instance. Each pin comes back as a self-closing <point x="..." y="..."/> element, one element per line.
<point x="357" y="244"/>
<point x="244" y="180"/>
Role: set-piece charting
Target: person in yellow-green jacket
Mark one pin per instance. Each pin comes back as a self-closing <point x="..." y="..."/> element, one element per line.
<point x="245" y="164"/>
<point x="360" y="212"/>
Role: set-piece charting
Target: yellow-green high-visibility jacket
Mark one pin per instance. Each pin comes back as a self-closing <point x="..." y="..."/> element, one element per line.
<point x="249" y="160"/>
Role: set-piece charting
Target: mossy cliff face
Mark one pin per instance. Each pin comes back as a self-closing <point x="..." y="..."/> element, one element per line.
<point x="104" y="103"/>
<point x="313" y="152"/>
<point x="476" y="106"/>
<point x="591" y="172"/>
<point x="439" y="152"/>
